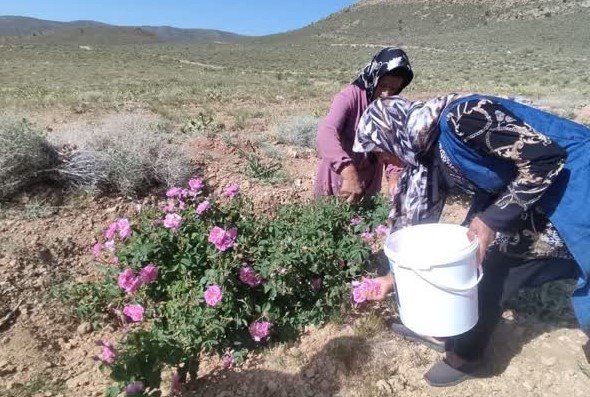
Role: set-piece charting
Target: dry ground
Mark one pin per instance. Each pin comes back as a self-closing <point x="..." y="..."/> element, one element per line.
<point x="44" y="351"/>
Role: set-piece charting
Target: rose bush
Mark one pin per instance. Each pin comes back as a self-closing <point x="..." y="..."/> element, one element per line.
<point x="210" y="274"/>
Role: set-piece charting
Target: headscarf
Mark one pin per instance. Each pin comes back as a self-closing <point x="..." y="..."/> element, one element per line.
<point x="409" y="130"/>
<point x="385" y="61"/>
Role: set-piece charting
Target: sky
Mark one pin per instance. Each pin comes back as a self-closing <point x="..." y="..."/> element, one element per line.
<point x="250" y="17"/>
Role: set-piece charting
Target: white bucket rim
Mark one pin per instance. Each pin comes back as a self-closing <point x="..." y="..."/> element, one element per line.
<point x="443" y="260"/>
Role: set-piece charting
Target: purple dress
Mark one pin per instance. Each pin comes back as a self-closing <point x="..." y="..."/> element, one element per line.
<point x="334" y="142"/>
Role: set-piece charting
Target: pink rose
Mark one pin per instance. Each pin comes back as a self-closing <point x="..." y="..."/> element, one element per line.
<point x="366" y="287"/>
<point x="382" y="230"/>
<point x="172" y="221"/>
<point x="223" y="239"/>
<point x="202" y="207"/>
<point x="111" y="230"/>
<point x="148" y="274"/>
<point x="124" y="228"/>
<point x="259" y="330"/>
<point x="249" y="276"/>
<point x="367" y="237"/>
<point x="97" y="249"/>
<point x="174" y="192"/>
<point x="170" y="206"/>
<point x="231" y="190"/>
<point x="213" y="295"/>
<point x="134" y="312"/>
<point x="107" y="354"/>
<point x="128" y="282"/>
<point x="196" y="184"/>
<point x="228" y="360"/>
<point x="110" y="245"/>
<point x="134" y="388"/>
<point x="356" y="220"/>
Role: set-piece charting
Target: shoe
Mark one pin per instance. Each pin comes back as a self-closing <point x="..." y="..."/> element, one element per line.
<point x="404" y="332"/>
<point x="442" y="374"/>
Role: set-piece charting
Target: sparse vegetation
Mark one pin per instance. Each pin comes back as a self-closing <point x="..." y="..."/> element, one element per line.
<point x="269" y="172"/>
<point x="299" y="131"/>
<point x="25" y="157"/>
<point x="225" y="98"/>
<point x="123" y="154"/>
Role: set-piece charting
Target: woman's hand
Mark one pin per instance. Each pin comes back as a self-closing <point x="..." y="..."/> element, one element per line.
<point x="351" y="189"/>
<point x="484" y="235"/>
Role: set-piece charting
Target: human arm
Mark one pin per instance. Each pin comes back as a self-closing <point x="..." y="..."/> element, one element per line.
<point x="330" y="144"/>
<point x="493" y="130"/>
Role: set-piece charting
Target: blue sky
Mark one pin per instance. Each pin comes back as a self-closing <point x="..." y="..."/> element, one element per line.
<point x="253" y="17"/>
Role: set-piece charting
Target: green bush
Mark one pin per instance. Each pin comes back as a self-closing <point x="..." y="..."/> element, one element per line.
<point x="280" y="272"/>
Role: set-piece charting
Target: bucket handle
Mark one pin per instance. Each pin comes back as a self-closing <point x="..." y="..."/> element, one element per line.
<point x="446" y="287"/>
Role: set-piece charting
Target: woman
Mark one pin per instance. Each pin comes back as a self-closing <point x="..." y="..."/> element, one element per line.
<point x="529" y="174"/>
<point x="340" y="171"/>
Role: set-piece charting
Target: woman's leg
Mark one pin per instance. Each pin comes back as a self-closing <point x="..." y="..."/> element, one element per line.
<point x="503" y="277"/>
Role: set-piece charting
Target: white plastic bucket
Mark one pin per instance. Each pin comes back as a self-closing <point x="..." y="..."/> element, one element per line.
<point x="436" y="277"/>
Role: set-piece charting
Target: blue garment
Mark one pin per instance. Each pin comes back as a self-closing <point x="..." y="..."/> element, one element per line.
<point x="566" y="202"/>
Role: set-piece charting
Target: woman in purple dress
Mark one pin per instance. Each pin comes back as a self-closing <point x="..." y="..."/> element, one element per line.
<point x="342" y="172"/>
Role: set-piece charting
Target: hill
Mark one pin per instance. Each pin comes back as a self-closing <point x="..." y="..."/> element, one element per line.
<point x="509" y="47"/>
<point x="15" y="29"/>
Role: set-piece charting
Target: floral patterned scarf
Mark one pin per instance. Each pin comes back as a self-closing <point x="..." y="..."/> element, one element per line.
<point x="385" y="61"/>
<point x="408" y="130"/>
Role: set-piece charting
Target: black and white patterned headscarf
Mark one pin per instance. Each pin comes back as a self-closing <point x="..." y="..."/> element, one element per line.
<point x="407" y="129"/>
<point x="385" y="61"/>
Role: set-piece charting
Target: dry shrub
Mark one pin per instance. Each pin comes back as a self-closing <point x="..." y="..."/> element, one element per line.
<point x="124" y="154"/>
<point x="26" y="157"/>
<point x="299" y="131"/>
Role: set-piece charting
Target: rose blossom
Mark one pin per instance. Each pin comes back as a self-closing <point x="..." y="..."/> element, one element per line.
<point x="231" y="190"/>
<point x="356" y="220"/>
<point x="228" y="360"/>
<point x="134" y="388"/>
<point x="382" y="230"/>
<point x="202" y="207"/>
<point x="213" y="295"/>
<point x="259" y="330"/>
<point x="367" y="237"/>
<point x="134" y="312"/>
<point x="170" y="206"/>
<point x="172" y="221"/>
<point x="148" y="274"/>
<point x="366" y="287"/>
<point x="174" y="192"/>
<point x="196" y="184"/>
<point x="223" y="239"/>
<point x="124" y="228"/>
<point x="110" y="245"/>
<point x="107" y="354"/>
<point x="97" y="249"/>
<point x="128" y="282"/>
<point x="249" y="276"/>
<point x="111" y="230"/>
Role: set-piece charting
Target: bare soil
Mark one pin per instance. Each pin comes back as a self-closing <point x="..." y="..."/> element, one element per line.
<point x="44" y="351"/>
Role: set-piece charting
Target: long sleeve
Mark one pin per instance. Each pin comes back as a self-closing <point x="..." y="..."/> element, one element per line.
<point x="492" y="129"/>
<point x="329" y="137"/>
